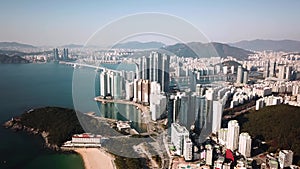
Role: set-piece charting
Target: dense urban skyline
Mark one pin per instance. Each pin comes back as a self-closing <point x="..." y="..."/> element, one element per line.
<point x="59" y="23"/>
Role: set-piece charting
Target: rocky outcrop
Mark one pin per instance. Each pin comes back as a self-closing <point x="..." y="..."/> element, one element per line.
<point x="15" y="125"/>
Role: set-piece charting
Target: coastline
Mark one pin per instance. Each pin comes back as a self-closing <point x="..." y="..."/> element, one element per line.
<point x="95" y="158"/>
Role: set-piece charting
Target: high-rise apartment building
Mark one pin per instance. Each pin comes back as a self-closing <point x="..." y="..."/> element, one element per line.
<point x="245" y="144"/>
<point x="178" y="133"/>
<point x="239" y="75"/>
<point x="285" y="158"/>
<point x="233" y="135"/>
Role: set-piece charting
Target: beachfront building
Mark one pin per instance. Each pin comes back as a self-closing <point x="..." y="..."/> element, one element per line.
<point x="84" y="140"/>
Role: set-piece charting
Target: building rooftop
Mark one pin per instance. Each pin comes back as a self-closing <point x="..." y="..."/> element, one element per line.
<point x="86" y="135"/>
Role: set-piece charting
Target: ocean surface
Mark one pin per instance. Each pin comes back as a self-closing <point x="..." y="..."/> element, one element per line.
<point x="27" y="86"/>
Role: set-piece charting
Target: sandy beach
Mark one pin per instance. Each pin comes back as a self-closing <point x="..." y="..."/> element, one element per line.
<point x="95" y="158"/>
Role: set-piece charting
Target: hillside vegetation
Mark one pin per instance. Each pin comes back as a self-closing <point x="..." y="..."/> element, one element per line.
<point x="5" y="59"/>
<point x="278" y="125"/>
<point x="61" y="123"/>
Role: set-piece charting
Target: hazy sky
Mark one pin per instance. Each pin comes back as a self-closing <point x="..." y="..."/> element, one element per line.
<point x="56" y="23"/>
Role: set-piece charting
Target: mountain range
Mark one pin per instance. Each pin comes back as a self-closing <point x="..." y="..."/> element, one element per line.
<point x="4" y="45"/>
<point x="72" y="46"/>
<point x="139" y="45"/>
<point x="274" y="45"/>
<point x="198" y="49"/>
<point x="240" y="50"/>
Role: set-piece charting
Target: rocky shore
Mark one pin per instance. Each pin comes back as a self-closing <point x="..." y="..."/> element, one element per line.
<point x="16" y="125"/>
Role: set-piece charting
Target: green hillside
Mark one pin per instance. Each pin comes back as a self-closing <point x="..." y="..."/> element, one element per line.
<point x="278" y="125"/>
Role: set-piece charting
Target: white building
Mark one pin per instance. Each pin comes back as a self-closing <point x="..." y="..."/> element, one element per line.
<point x="208" y="154"/>
<point x="296" y="90"/>
<point x="259" y="104"/>
<point x="158" y="103"/>
<point x="268" y="101"/>
<point x="233" y="135"/>
<point x="285" y="158"/>
<point x="187" y="149"/>
<point x="103" y="83"/>
<point x="222" y="136"/>
<point x="245" y="144"/>
<point x="129" y="90"/>
<point x="245" y="77"/>
<point x="86" y="138"/>
<point x="178" y="133"/>
<point x="111" y="83"/>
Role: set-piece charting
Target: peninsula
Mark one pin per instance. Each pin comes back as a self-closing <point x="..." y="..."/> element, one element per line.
<point x="57" y="125"/>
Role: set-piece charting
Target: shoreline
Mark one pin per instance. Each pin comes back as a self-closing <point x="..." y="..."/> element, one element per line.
<point x="96" y="158"/>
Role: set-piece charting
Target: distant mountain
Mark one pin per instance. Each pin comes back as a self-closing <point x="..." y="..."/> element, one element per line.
<point x="7" y="45"/>
<point x="198" y="49"/>
<point x="275" y="45"/>
<point x="19" y="53"/>
<point x="12" y="52"/>
<point x="72" y="46"/>
<point x="5" y="59"/>
<point x="140" y="45"/>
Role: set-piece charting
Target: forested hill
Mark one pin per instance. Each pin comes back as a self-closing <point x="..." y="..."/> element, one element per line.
<point x="5" y="59"/>
<point x="278" y="125"/>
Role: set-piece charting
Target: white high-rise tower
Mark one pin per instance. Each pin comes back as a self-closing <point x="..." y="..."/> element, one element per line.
<point x="233" y="135"/>
<point x="245" y="144"/>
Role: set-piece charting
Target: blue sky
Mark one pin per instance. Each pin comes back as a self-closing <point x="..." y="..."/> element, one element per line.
<point x="56" y="23"/>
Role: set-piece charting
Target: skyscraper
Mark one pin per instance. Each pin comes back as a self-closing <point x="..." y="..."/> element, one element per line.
<point x="233" y="135"/>
<point x="201" y="113"/>
<point x="144" y="71"/>
<point x="245" y="144"/>
<point x="187" y="149"/>
<point x="272" y="69"/>
<point x="158" y="69"/>
<point x="165" y="78"/>
<point x="288" y="72"/>
<point x="222" y="136"/>
<point x="245" y="77"/>
<point x="281" y="73"/>
<point x="208" y="155"/>
<point x="178" y="133"/>
<point x="65" y="54"/>
<point x="111" y="83"/>
<point x="103" y="83"/>
<point x="117" y="86"/>
<point x="145" y="91"/>
<point x="217" y="116"/>
<point x="155" y="66"/>
<point x="239" y="75"/>
<point x="267" y="69"/>
<point x="55" y="54"/>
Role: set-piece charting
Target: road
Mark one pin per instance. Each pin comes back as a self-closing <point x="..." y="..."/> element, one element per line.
<point x="238" y="113"/>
